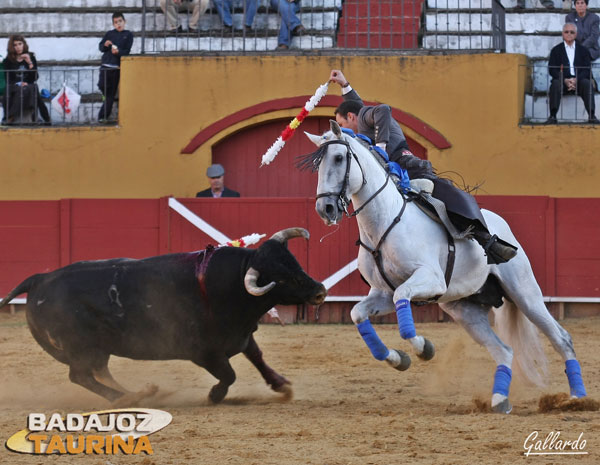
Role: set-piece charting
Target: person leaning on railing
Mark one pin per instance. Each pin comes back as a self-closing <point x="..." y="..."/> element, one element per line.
<point x="22" y="94"/>
<point x="115" y="44"/>
<point x="588" y="27"/>
<point x="570" y="66"/>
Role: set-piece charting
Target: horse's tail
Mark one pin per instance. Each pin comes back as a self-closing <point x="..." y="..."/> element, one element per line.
<point x="515" y="329"/>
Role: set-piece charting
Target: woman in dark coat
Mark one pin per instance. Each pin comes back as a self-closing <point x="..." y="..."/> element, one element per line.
<point x="22" y="93"/>
<point x="588" y="27"/>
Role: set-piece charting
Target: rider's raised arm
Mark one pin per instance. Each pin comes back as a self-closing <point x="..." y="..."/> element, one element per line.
<point x="348" y="92"/>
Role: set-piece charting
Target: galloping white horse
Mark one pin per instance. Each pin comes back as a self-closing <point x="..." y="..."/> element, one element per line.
<point x="414" y="255"/>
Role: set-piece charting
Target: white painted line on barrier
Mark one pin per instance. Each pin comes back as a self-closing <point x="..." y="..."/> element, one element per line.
<point x="344" y="298"/>
<point x="340" y="274"/>
<point x="19" y="300"/>
<point x="197" y="221"/>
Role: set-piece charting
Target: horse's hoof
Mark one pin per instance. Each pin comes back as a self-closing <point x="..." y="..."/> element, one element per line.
<point x="428" y="351"/>
<point x="502" y="407"/>
<point x="399" y="360"/>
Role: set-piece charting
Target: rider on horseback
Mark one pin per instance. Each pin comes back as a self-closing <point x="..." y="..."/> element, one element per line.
<point x="377" y="123"/>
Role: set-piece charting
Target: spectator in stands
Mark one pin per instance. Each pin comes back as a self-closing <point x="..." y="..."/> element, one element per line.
<point x="22" y="93"/>
<point x="290" y="23"/>
<point x="588" y="27"/>
<point x="225" y="8"/>
<point x="216" y="178"/>
<point x="171" y="10"/>
<point x="376" y="122"/>
<point x="569" y="65"/>
<point x="115" y="44"/>
<point x="548" y="4"/>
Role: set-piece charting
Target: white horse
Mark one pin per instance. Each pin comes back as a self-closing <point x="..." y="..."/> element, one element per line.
<point x="414" y="254"/>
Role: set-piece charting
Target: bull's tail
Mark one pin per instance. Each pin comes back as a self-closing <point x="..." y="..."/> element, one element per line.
<point x="22" y="288"/>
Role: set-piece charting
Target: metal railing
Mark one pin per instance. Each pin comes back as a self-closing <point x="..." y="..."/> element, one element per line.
<point x="330" y="24"/>
<point x="31" y="105"/>
<point x="572" y="108"/>
<point x="266" y="32"/>
<point x="370" y="25"/>
<point x="465" y="25"/>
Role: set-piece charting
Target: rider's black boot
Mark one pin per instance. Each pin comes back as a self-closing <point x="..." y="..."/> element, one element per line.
<point x="496" y="250"/>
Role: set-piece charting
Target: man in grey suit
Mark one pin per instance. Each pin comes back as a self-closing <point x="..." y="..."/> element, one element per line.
<point x="377" y="123"/>
<point x="216" y="178"/>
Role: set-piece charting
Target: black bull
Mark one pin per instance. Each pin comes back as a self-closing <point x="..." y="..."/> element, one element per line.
<point x="199" y="306"/>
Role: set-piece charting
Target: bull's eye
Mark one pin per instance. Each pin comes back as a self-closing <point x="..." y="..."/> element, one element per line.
<point x="338" y="159"/>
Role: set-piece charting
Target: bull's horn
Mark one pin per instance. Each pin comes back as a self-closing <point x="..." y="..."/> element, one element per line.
<point x="289" y="233"/>
<point x="250" y="283"/>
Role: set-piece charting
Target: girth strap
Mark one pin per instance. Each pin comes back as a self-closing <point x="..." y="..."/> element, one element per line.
<point x="377" y="251"/>
<point x="450" y="261"/>
<point x="377" y="256"/>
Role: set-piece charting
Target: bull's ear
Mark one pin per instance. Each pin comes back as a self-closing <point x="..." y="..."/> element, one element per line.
<point x="317" y="140"/>
<point x="335" y="128"/>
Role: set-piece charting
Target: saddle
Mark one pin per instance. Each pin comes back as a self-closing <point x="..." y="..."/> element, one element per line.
<point x="420" y="194"/>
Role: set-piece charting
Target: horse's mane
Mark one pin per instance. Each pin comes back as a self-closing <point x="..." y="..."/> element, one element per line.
<point x="312" y="161"/>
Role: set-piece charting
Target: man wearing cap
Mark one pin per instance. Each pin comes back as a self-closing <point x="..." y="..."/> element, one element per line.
<point x="216" y="178"/>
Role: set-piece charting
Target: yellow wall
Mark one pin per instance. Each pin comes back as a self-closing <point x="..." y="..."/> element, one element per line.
<point x="475" y="101"/>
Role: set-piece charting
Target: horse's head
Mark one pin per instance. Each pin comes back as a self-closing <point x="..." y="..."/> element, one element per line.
<point x="339" y="176"/>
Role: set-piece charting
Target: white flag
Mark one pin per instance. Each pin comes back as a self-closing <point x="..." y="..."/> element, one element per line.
<point x="65" y="103"/>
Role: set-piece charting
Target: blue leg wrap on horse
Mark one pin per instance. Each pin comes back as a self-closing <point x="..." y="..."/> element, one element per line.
<point x="502" y="380"/>
<point x="405" y="319"/>
<point x="377" y="348"/>
<point x="573" y="371"/>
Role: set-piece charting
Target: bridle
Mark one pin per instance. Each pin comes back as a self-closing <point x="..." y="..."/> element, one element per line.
<point x="342" y="200"/>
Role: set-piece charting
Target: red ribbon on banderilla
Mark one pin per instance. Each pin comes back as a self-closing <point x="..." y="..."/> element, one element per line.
<point x="288" y="132"/>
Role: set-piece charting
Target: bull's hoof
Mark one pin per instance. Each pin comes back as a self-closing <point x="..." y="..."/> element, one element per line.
<point x="503" y="406"/>
<point x="428" y="351"/>
<point x="132" y="399"/>
<point x="398" y="360"/>
<point x="217" y="394"/>
<point x="286" y="391"/>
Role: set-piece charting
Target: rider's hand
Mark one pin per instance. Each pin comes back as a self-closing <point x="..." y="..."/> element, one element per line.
<point x="338" y="77"/>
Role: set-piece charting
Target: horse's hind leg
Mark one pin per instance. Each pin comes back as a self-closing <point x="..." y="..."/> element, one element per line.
<point x="377" y="303"/>
<point x="473" y="318"/>
<point x="527" y="296"/>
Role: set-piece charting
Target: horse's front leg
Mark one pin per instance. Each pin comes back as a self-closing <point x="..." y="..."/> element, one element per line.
<point x="377" y="303"/>
<point x="424" y="284"/>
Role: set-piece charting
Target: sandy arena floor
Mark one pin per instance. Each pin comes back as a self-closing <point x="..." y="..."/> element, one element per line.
<point x="347" y="409"/>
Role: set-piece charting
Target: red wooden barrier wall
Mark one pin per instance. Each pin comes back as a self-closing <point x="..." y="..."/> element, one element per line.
<point x="560" y="236"/>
